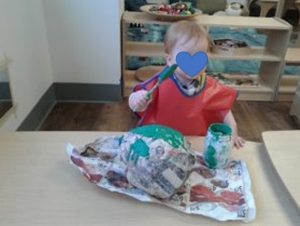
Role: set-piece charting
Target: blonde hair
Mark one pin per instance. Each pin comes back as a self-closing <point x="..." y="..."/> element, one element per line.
<point x="184" y="31"/>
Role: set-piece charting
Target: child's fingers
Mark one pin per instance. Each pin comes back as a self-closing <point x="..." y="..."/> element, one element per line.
<point x="142" y="101"/>
<point x="141" y="104"/>
<point x="239" y="142"/>
<point x="242" y="140"/>
<point x="144" y="98"/>
<point x="139" y="100"/>
<point x="238" y="145"/>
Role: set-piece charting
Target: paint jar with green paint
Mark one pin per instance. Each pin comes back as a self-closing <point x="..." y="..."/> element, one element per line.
<point x="217" y="146"/>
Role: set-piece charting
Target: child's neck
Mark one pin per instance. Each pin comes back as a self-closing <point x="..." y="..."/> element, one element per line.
<point x="183" y="81"/>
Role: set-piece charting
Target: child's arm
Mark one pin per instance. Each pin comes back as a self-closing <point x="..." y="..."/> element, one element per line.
<point x="138" y="101"/>
<point x="238" y="142"/>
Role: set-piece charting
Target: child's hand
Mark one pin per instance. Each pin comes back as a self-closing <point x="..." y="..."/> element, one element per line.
<point x="238" y="142"/>
<point x="138" y="101"/>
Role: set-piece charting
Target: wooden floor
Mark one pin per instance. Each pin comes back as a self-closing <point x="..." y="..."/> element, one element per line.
<point x="252" y="117"/>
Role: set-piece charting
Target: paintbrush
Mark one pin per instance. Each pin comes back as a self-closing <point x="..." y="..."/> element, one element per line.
<point x="163" y="76"/>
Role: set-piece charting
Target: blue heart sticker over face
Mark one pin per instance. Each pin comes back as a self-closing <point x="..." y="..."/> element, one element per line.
<point x="192" y="65"/>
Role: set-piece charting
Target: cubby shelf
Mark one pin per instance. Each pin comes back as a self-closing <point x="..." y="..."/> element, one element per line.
<point x="218" y="21"/>
<point x="272" y="56"/>
<point x="145" y="49"/>
<point x="288" y="83"/>
<point x="261" y="92"/>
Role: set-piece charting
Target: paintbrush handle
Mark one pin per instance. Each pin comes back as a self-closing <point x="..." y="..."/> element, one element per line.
<point x="150" y="92"/>
<point x="163" y="76"/>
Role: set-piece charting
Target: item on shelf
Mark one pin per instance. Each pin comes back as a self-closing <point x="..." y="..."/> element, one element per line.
<point x="137" y="31"/>
<point x="236" y="80"/>
<point x="229" y="46"/>
<point x="251" y="36"/>
<point x="240" y="67"/>
<point x="234" y="8"/>
<point x="134" y="62"/>
<point x="291" y="70"/>
<point x="146" y="32"/>
<point x="175" y="11"/>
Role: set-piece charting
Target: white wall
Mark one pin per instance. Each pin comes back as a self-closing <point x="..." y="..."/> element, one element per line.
<point x="23" y="39"/>
<point x="84" y="40"/>
<point x="3" y="62"/>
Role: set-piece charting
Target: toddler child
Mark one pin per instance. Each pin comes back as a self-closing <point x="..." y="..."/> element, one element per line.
<point x="187" y="104"/>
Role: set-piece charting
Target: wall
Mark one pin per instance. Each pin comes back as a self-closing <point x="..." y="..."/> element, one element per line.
<point x="3" y="62"/>
<point x="84" y="40"/>
<point x="23" y="39"/>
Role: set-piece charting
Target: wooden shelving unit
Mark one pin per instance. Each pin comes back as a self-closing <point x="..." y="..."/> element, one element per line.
<point x="272" y="56"/>
<point x="288" y="83"/>
<point x="145" y="49"/>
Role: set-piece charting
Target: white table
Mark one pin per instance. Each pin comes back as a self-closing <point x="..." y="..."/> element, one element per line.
<point x="38" y="186"/>
<point x="283" y="148"/>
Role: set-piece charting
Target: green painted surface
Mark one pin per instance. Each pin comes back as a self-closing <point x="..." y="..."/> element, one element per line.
<point x="210" y="158"/>
<point x="138" y="149"/>
<point x="219" y="129"/>
<point x="172" y="137"/>
<point x="217" y="145"/>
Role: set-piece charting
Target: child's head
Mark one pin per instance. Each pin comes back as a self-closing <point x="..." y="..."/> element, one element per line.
<point x="185" y="36"/>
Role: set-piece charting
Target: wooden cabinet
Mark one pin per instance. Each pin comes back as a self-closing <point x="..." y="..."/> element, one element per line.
<point x="271" y="55"/>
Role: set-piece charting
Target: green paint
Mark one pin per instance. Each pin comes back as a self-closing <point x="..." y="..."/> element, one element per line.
<point x="120" y="139"/>
<point x="172" y="137"/>
<point x="217" y="145"/>
<point x="138" y="149"/>
<point x="219" y="129"/>
<point x="210" y="158"/>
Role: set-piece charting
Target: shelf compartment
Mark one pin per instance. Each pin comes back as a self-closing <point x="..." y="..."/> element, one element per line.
<point x="258" y="93"/>
<point x="129" y="82"/>
<point x="288" y="87"/>
<point x="144" y="49"/>
<point x="206" y="20"/>
<point x="292" y="56"/>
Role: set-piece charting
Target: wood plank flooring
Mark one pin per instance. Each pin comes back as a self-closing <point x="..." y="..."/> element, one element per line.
<point x="252" y="117"/>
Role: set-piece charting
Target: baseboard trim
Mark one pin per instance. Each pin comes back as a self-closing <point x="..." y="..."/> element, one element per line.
<point x="39" y="111"/>
<point x="5" y="91"/>
<point x="69" y="92"/>
<point x="79" y="92"/>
